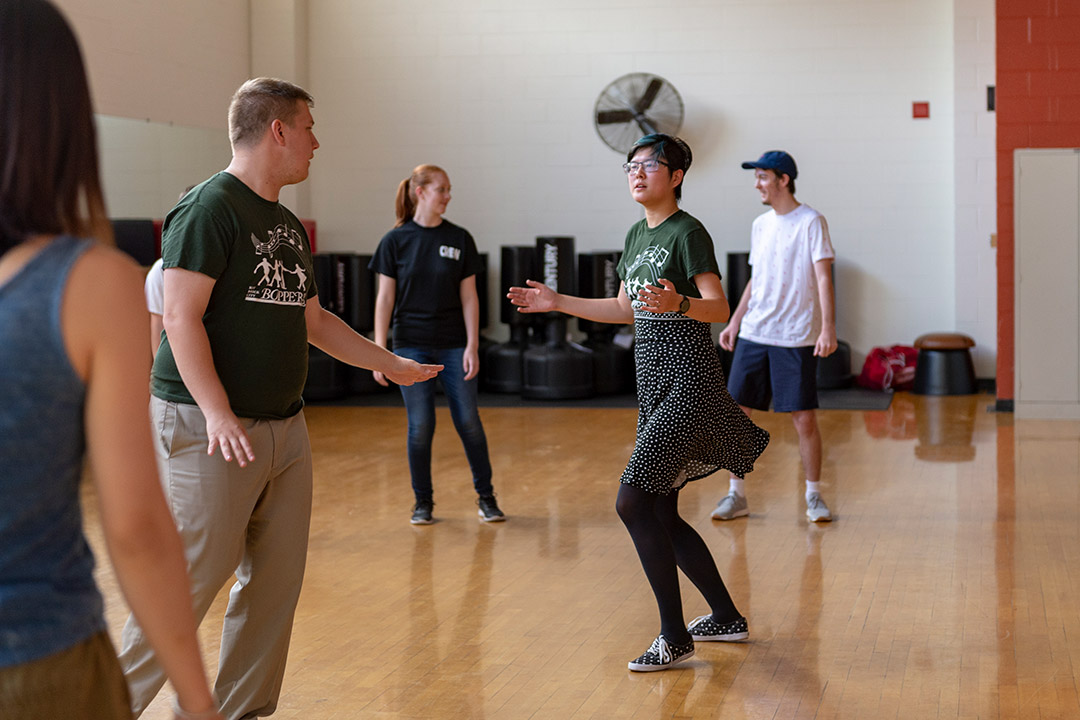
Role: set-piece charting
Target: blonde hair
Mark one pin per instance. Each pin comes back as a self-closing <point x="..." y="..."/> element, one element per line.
<point x="260" y="101"/>
<point x="405" y="202"/>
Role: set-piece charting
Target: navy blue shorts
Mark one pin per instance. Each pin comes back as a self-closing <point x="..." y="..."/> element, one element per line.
<point x="785" y="375"/>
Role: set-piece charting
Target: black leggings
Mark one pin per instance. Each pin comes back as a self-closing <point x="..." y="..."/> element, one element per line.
<point x="665" y="541"/>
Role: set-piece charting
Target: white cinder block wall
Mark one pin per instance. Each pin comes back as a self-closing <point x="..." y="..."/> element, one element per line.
<point x="501" y="94"/>
<point x="976" y="182"/>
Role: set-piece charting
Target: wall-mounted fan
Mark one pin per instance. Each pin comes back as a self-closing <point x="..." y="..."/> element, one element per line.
<point x="634" y="105"/>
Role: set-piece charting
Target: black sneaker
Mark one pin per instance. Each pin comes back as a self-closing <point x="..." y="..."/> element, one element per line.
<point x="661" y="655"/>
<point x="489" y="509"/>
<point x="421" y="512"/>
<point x="705" y="629"/>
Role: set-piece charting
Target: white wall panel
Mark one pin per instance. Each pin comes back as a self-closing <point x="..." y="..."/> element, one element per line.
<point x="162" y="61"/>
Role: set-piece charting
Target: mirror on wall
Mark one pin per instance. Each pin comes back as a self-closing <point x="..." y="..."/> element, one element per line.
<point x="145" y="165"/>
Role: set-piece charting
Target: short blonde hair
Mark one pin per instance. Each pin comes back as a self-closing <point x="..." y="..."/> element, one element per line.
<point x="259" y="102"/>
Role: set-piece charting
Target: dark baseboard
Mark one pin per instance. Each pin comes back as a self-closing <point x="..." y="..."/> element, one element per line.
<point x="986" y="385"/>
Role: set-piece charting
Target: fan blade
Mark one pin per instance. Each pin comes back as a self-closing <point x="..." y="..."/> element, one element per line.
<point x="651" y="92"/>
<point x="606" y="117"/>
<point x="646" y="125"/>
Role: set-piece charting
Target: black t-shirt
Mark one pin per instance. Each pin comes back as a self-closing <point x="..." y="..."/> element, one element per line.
<point x="428" y="265"/>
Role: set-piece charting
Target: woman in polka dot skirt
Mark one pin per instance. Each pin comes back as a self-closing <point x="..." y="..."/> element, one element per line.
<point x="688" y="425"/>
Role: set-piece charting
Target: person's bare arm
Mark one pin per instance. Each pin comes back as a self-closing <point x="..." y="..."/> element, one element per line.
<point x="384" y="311"/>
<point x="103" y="330"/>
<point x="156" y="326"/>
<point x="537" y="297"/>
<point x="470" y="309"/>
<point x="330" y="334"/>
<point x="826" y="342"/>
<point x="186" y="296"/>
<point x="730" y="333"/>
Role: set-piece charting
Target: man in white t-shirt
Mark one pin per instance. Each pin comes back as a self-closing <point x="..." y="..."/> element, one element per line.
<point x="784" y="322"/>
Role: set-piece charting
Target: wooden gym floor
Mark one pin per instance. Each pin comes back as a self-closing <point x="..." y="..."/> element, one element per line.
<point x="947" y="587"/>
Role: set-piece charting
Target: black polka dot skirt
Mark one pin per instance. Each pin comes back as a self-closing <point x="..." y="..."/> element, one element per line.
<point x="688" y="425"/>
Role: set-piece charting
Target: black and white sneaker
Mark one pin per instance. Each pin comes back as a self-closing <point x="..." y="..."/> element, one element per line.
<point x="661" y="655"/>
<point x="421" y="513"/>
<point x="489" y="509"/>
<point x="705" y="629"/>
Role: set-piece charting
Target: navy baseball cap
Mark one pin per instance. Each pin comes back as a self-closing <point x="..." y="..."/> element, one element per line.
<point x="776" y="160"/>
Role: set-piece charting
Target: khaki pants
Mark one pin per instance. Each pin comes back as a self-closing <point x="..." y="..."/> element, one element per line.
<point x="81" y="683"/>
<point x="251" y="522"/>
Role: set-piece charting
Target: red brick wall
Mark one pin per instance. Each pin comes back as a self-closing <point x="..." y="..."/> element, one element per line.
<point x="1038" y="106"/>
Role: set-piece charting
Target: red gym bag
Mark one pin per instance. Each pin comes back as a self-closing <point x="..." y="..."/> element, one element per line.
<point x="891" y="368"/>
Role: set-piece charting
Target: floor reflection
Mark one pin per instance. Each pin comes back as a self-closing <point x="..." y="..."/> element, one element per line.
<point x="946" y="426"/>
<point x="942" y="426"/>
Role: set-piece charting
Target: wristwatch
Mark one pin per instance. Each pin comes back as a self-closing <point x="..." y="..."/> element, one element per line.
<point x="684" y="306"/>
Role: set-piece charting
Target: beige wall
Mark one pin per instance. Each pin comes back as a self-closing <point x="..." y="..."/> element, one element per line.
<point x="169" y="62"/>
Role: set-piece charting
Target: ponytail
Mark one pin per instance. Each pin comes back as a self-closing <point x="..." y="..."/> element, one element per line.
<point x="404" y="206"/>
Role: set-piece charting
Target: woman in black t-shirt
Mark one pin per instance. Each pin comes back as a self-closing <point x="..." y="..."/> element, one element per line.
<point x="427" y="285"/>
<point x="688" y="425"/>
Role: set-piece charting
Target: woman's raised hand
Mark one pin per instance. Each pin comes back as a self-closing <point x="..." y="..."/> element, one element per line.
<point x="537" y="297"/>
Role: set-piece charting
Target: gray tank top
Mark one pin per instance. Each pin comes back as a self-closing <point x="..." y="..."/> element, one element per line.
<point x="48" y="600"/>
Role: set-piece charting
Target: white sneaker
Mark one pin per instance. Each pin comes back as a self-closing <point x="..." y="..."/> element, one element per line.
<point x="732" y="506"/>
<point x="816" y="509"/>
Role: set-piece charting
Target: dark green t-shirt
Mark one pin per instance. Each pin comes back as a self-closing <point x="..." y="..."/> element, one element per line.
<point x="258" y="254"/>
<point x="677" y="249"/>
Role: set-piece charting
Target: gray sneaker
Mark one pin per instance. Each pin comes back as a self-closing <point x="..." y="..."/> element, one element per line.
<point x="732" y="506"/>
<point x="816" y="509"/>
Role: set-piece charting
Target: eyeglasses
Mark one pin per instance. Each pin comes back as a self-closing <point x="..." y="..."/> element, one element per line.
<point x="649" y="166"/>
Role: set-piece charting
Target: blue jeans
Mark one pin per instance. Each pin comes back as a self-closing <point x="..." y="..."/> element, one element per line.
<point x="420" y="409"/>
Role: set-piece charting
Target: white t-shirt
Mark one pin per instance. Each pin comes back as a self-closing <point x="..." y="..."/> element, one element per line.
<point x="155" y="289"/>
<point x="784" y="306"/>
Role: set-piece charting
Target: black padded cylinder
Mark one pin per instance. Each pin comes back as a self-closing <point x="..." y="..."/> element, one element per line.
<point x="944" y="372"/>
<point x="323" y="266"/>
<point x="482" y="290"/>
<point x="598" y="278"/>
<point x="502" y="362"/>
<point x="557" y="369"/>
<point x="326" y="377"/>
<point x="834" y="371"/>
<point x="555" y="262"/>
<point x="738" y="275"/>
<point x="137" y="238"/>
<point x="518" y="265"/>
<point x="355" y="291"/>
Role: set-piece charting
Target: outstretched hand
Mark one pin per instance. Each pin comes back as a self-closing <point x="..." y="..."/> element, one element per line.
<point x="408" y="372"/>
<point x="535" y="298"/>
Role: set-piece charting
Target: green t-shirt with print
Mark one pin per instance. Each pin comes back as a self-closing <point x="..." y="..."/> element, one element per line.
<point x="677" y="249"/>
<point x="257" y="252"/>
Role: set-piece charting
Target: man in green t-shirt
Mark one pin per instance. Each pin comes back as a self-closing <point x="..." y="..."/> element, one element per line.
<point x="241" y="307"/>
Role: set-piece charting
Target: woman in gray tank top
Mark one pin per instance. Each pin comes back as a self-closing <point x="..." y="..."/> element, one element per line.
<point x="74" y="367"/>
